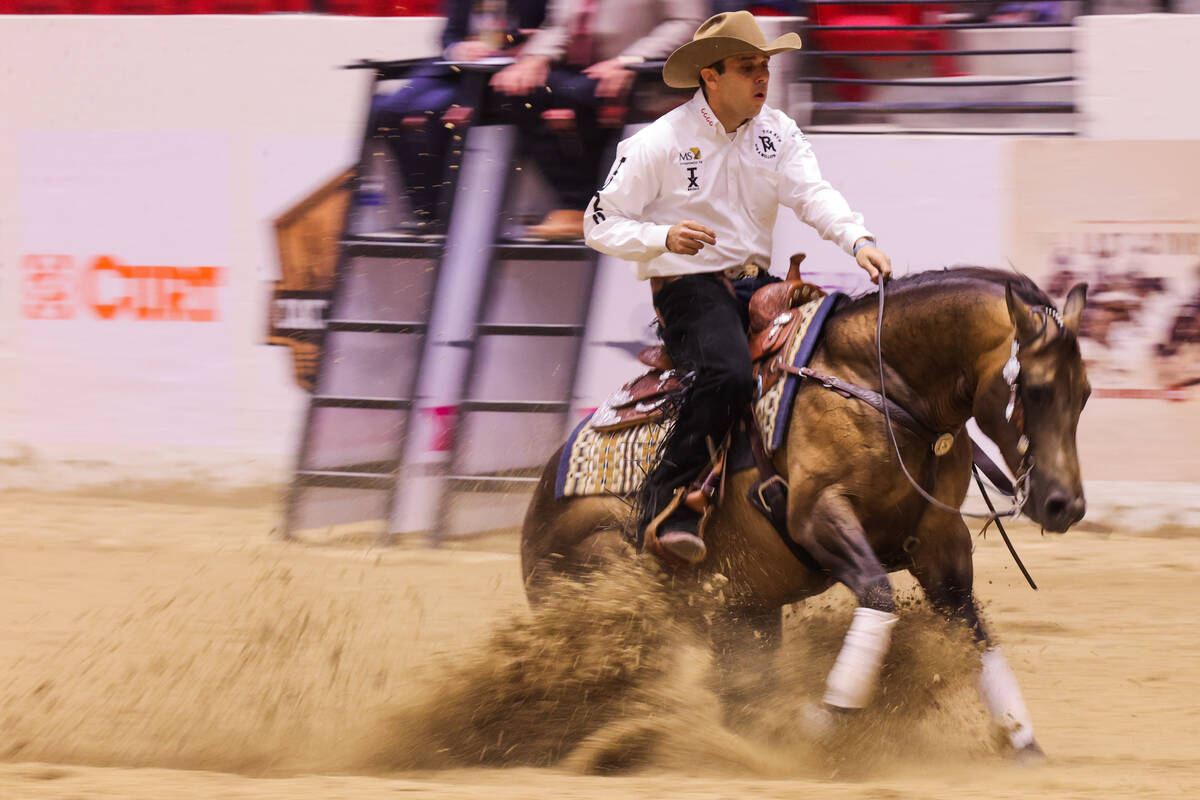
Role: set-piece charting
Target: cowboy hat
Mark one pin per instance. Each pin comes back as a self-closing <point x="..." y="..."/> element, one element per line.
<point x="721" y="36"/>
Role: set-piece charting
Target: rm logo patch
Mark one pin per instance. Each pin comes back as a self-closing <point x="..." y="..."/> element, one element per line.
<point x="766" y="143"/>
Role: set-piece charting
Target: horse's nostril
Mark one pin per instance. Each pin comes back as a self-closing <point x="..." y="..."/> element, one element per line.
<point x="1056" y="505"/>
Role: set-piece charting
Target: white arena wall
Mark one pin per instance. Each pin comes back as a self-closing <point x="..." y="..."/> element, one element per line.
<point x="172" y="143"/>
<point x="165" y="141"/>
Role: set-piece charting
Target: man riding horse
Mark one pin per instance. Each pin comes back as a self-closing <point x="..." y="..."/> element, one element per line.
<point x="724" y="161"/>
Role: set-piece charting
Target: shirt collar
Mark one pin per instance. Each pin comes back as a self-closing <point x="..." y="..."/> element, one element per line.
<point x="706" y="117"/>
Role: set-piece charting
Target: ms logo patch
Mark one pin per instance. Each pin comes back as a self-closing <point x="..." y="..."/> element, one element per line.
<point x="766" y="143"/>
<point x="690" y="161"/>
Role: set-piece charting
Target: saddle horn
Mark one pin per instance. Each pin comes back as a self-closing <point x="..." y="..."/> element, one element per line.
<point x="793" y="273"/>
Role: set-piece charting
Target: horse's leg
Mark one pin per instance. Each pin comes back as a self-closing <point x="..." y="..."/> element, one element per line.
<point x="942" y="565"/>
<point x="567" y="536"/>
<point x="831" y="532"/>
<point x="744" y="645"/>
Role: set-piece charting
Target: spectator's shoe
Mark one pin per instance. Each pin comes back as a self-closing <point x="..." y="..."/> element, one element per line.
<point x="560" y="225"/>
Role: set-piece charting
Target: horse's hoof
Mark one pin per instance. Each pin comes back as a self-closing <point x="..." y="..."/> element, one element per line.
<point x="817" y="721"/>
<point x="687" y="547"/>
<point x="1029" y="755"/>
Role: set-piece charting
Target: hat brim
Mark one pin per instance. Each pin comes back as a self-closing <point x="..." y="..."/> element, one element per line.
<point x="682" y="70"/>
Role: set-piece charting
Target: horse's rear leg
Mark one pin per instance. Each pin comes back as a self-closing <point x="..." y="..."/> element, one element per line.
<point x="942" y="565"/>
<point x="567" y="536"/>
<point x="744" y="646"/>
<point x="831" y="532"/>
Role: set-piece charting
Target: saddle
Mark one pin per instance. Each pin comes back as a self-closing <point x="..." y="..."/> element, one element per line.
<point x="650" y="398"/>
<point x="646" y="399"/>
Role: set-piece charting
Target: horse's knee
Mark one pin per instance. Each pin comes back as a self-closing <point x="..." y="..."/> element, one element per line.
<point x="835" y="538"/>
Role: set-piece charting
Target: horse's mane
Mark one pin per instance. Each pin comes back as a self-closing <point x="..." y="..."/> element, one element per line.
<point x="1022" y="286"/>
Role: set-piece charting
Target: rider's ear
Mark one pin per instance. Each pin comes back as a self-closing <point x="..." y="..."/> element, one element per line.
<point x="1022" y="316"/>
<point x="1073" y="307"/>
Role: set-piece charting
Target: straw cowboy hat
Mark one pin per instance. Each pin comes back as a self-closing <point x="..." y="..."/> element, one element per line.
<point x="720" y="36"/>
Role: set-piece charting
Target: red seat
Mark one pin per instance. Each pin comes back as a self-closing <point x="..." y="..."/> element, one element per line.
<point x="358" y="8"/>
<point x="45" y="7"/>
<point x="899" y="15"/>
<point x="239" y="6"/>
<point x="138" y="7"/>
<point x="898" y="39"/>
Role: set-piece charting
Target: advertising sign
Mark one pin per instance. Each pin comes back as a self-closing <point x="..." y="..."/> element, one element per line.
<point x="1125" y="217"/>
<point x="307" y="237"/>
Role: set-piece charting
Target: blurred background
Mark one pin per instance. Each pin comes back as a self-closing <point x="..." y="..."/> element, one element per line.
<point x="331" y="248"/>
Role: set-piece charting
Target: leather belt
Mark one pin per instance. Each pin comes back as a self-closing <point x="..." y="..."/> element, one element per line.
<point x="748" y="270"/>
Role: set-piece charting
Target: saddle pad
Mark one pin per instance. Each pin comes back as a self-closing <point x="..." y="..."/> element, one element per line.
<point x="607" y="461"/>
<point x="597" y="462"/>
<point x="773" y="408"/>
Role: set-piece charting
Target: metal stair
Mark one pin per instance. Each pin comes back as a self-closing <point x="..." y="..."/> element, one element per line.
<point x="360" y="414"/>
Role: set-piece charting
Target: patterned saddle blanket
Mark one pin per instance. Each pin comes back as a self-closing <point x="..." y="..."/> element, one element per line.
<point x="612" y="450"/>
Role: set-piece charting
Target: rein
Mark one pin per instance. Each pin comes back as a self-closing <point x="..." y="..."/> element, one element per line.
<point x="1019" y="494"/>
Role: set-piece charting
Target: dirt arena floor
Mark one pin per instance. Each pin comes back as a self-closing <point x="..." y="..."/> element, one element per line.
<point x="161" y="646"/>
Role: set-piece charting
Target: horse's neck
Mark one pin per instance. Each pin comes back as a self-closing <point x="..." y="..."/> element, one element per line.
<point x="939" y="346"/>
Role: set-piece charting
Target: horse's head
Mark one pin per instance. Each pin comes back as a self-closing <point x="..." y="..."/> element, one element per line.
<point x="1044" y="387"/>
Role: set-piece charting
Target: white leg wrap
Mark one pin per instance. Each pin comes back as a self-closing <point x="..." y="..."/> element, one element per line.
<point x="854" y="674"/>
<point x="998" y="685"/>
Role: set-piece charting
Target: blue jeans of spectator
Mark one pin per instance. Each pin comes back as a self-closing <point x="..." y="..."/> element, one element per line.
<point x="420" y="153"/>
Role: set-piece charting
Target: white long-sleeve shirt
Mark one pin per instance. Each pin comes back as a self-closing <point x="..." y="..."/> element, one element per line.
<point x="685" y="166"/>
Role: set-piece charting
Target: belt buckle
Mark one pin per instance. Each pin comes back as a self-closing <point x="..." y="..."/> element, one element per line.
<point x="741" y="271"/>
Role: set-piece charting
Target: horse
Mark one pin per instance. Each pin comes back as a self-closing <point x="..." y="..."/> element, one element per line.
<point x="953" y="344"/>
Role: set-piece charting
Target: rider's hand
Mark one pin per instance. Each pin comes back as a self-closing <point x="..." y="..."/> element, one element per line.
<point x="614" y="79"/>
<point x="688" y="238"/>
<point x="469" y="50"/>
<point x="523" y="76"/>
<point x="875" y="262"/>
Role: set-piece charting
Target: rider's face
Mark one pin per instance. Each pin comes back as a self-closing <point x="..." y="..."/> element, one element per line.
<point x="741" y="89"/>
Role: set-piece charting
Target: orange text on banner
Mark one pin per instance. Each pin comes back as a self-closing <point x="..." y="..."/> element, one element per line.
<point x="114" y="290"/>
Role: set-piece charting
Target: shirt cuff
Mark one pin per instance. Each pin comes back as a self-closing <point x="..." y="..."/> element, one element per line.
<point x="854" y="236"/>
<point x="656" y="237"/>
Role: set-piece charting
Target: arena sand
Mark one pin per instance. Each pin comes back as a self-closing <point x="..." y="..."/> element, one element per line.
<point x="170" y="646"/>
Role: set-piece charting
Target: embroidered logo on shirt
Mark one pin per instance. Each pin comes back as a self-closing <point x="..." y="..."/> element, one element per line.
<point x="707" y="118"/>
<point x="690" y="160"/>
<point x="766" y="143"/>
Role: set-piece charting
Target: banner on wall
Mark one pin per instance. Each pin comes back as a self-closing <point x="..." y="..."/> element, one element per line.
<point x="1125" y="217"/>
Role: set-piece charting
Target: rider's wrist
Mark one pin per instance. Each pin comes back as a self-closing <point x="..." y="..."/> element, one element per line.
<point x="864" y="243"/>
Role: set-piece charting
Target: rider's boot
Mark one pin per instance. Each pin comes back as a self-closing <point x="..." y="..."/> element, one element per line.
<point x="677" y="530"/>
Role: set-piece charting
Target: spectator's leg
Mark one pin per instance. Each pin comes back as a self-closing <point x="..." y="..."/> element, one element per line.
<point x="570" y="162"/>
<point x="419" y="151"/>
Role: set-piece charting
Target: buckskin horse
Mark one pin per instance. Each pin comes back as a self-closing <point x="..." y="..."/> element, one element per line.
<point x="953" y="344"/>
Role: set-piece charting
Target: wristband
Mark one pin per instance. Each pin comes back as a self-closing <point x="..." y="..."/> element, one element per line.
<point x="863" y="244"/>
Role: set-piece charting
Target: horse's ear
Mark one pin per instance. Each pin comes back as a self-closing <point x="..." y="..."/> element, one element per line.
<point x="1073" y="307"/>
<point x="1022" y="317"/>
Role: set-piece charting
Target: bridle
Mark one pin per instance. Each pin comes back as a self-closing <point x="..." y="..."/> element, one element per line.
<point x="1013" y="413"/>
